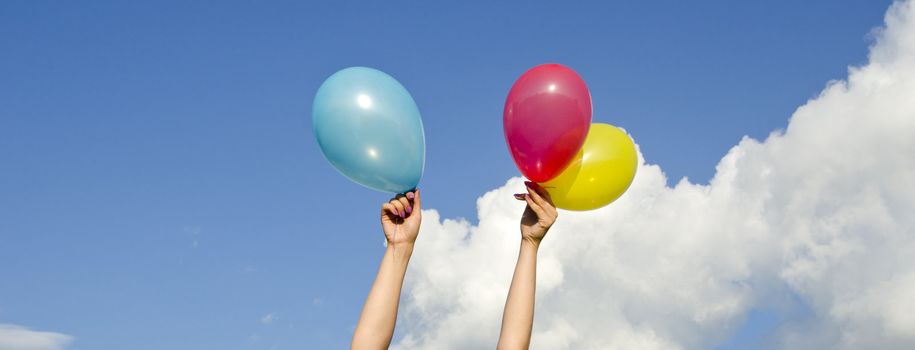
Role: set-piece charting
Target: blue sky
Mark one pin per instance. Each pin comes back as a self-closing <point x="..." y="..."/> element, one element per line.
<point x="160" y="186"/>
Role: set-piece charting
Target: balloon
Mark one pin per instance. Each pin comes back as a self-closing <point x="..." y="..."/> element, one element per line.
<point x="546" y="118"/>
<point x="600" y="172"/>
<point x="370" y="130"/>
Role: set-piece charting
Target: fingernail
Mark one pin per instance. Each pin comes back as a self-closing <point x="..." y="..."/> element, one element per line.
<point x="402" y="215"/>
<point x="409" y="210"/>
<point x="519" y="196"/>
<point x="410" y="195"/>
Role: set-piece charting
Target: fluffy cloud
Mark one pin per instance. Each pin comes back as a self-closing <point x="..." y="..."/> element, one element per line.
<point x="822" y="212"/>
<point x="13" y="337"/>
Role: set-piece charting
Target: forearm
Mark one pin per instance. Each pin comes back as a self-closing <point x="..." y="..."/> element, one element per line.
<point x="376" y="324"/>
<point x="518" y="318"/>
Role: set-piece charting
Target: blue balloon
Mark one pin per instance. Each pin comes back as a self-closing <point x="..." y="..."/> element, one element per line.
<point x="370" y="130"/>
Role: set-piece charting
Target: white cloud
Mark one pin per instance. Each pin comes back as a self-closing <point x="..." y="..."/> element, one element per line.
<point x="268" y="318"/>
<point x="822" y="211"/>
<point x="13" y="337"/>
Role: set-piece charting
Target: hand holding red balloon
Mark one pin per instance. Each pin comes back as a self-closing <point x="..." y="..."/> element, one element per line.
<point x="539" y="215"/>
<point x="547" y="121"/>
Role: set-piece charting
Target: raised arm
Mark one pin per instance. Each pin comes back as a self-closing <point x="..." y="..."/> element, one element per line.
<point x="400" y="219"/>
<point x="518" y="318"/>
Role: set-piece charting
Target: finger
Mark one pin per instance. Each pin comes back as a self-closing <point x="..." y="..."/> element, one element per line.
<point x="534" y="192"/>
<point x="544" y="193"/>
<point x="389" y="209"/>
<point x="539" y="189"/>
<point x="406" y="204"/>
<point x="398" y="206"/>
<point x="535" y="207"/>
<point x="544" y="200"/>
<point x="417" y="206"/>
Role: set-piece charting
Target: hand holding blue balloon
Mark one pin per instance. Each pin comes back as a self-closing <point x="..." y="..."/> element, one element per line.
<point x="370" y="130"/>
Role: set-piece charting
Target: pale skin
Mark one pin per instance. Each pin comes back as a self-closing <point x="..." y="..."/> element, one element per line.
<point x="400" y="220"/>
<point x="402" y="214"/>
<point x="518" y="317"/>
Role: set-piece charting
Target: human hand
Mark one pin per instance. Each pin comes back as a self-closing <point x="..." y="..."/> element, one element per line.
<point x="400" y="219"/>
<point x="539" y="214"/>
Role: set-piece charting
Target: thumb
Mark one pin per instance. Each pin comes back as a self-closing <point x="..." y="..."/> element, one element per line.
<point x="417" y="203"/>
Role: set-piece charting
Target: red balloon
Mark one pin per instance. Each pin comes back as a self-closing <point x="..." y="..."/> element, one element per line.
<point x="546" y="119"/>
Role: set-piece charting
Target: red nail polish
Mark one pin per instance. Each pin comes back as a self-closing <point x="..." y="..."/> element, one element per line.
<point x="410" y="195"/>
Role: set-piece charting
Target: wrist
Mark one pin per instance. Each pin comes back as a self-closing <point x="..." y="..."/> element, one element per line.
<point x="406" y="247"/>
<point x="530" y="243"/>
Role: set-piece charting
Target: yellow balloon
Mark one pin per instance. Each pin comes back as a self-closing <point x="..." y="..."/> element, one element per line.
<point x="599" y="174"/>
